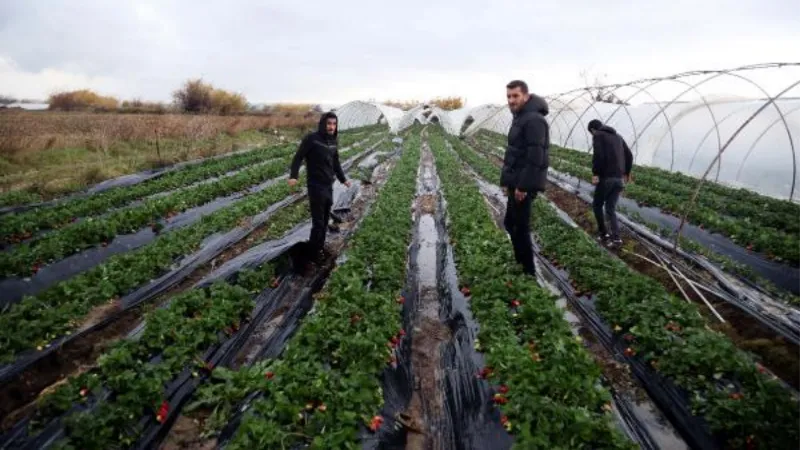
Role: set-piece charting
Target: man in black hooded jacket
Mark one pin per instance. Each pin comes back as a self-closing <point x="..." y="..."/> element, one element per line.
<point x="525" y="165"/>
<point x="320" y="152"/>
<point x="611" y="169"/>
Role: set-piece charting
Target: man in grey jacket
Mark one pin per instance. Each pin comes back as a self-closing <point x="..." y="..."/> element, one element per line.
<point x="525" y="165"/>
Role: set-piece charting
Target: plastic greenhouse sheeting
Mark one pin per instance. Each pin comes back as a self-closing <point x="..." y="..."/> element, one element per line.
<point x="358" y="114"/>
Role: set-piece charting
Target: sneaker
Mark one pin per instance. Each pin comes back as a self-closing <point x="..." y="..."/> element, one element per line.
<point x="602" y="237"/>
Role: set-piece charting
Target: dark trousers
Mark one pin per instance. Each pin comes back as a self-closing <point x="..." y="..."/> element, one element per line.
<point x="606" y="194"/>
<point x="518" y="225"/>
<point x="320" y="199"/>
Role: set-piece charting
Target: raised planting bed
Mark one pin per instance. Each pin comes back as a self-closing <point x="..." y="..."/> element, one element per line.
<point x="325" y="389"/>
<point x="547" y="384"/>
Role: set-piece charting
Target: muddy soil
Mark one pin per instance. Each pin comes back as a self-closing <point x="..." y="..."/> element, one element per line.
<point x="776" y="353"/>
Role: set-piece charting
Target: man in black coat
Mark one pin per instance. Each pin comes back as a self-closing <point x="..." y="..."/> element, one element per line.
<point x="525" y="165"/>
<point x="611" y="169"/>
<point x="320" y="152"/>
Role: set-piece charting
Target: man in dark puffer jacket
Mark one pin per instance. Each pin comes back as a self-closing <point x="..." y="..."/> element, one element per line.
<point x="525" y="165"/>
<point x="611" y="169"/>
<point x="320" y="151"/>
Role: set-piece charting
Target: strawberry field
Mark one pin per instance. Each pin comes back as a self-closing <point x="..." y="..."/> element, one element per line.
<point x="181" y="312"/>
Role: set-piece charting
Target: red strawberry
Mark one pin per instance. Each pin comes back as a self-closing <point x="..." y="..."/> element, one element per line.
<point x="515" y="303"/>
<point x="395" y="340"/>
<point x="35" y="268"/>
<point x="322" y="408"/>
<point x="209" y="366"/>
<point x="760" y="368"/>
<point x="750" y="247"/>
<point x="486" y="372"/>
<point x="269" y="375"/>
<point x="376" y="423"/>
<point x="736" y="395"/>
<point x="465" y="290"/>
<point x="84" y="392"/>
<point x="355" y="318"/>
<point x="401" y="299"/>
<point x="500" y="399"/>
<point x="629" y="352"/>
<point x="402" y="332"/>
<point x="274" y="283"/>
<point x="503" y="420"/>
<point x="503" y="389"/>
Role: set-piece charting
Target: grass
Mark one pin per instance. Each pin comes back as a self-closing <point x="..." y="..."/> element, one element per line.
<point x="47" y="154"/>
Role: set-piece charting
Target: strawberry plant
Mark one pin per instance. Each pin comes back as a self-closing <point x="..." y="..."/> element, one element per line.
<point x="326" y="387"/>
<point x="136" y="370"/>
<point x="547" y="384"/>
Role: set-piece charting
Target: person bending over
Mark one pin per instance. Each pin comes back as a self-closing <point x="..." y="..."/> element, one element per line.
<point x="611" y="169"/>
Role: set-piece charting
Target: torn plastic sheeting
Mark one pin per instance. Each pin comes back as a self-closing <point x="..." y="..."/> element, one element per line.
<point x="782" y="319"/>
<point x="782" y="275"/>
<point x="258" y="255"/>
<point x="213" y="246"/>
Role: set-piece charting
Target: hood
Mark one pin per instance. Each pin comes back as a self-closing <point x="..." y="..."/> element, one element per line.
<point x="321" y="125"/>
<point x="537" y="104"/>
<point x="607" y="129"/>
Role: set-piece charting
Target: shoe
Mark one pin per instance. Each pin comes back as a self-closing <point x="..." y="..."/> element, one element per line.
<point x="602" y="237"/>
<point x="336" y="218"/>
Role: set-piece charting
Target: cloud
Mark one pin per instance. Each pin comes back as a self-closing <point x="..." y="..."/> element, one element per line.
<point x="354" y="49"/>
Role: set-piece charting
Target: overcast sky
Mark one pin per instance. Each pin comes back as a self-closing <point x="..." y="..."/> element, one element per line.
<point x="336" y="51"/>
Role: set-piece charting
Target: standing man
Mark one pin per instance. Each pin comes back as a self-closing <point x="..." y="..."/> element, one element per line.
<point x="611" y="169"/>
<point x="319" y="150"/>
<point x="525" y="166"/>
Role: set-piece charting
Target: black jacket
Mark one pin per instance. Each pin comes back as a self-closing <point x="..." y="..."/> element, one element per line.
<point x="321" y="153"/>
<point x="527" y="156"/>
<point x="611" y="158"/>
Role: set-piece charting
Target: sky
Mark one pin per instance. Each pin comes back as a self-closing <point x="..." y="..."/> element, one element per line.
<point x="336" y="51"/>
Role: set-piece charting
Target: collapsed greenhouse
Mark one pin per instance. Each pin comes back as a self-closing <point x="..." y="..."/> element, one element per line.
<point x="173" y="308"/>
